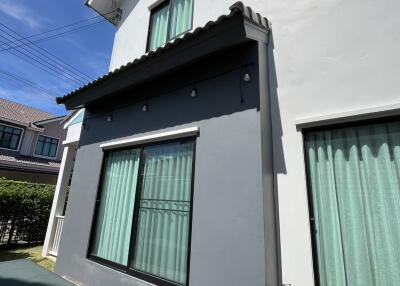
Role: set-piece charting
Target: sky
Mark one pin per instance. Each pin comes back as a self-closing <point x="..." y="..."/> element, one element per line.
<point x="85" y="53"/>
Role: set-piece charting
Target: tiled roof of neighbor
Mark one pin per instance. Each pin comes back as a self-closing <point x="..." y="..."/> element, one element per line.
<point x="21" y="113"/>
<point x="237" y="8"/>
<point x="25" y="162"/>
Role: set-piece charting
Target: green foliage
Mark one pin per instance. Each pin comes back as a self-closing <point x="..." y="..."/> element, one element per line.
<point x="24" y="210"/>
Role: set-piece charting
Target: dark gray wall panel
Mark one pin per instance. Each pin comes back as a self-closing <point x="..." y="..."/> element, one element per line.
<point x="228" y="229"/>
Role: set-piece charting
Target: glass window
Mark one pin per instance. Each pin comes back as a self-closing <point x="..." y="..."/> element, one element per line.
<point x="46" y="146"/>
<point x="115" y="207"/>
<point x="155" y="212"/>
<point x="169" y="20"/>
<point x="354" y="180"/>
<point x="9" y="137"/>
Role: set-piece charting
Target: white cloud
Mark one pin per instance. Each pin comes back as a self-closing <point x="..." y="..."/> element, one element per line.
<point x="20" y="13"/>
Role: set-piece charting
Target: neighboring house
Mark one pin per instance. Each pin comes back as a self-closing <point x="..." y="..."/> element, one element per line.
<point x="30" y="143"/>
<point x="233" y="151"/>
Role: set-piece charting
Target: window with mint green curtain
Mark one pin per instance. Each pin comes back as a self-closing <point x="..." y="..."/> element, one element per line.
<point x="164" y="212"/>
<point x="354" y="180"/>
<point x="159" y="27"/>
<point x="115" y="206"/>
<point x="145" y="232"/>
<point x="168" y="20"/>
<point x="181" y="18"/>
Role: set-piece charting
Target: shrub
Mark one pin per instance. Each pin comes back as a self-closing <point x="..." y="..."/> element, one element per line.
<point x="24" y="210"/>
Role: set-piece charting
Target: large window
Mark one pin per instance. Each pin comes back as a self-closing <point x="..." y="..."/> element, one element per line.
<point x="169" y="20"/>
<point x="9" y="137"/>
<point x="46" y="146"/>
<point x="143" y="212"/>
<point x="354" y="186"/>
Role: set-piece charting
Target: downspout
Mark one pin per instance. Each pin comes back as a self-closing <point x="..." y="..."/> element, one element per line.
<point x="273" y="275"/>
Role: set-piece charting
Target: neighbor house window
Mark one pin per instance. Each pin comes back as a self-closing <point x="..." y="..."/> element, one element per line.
<point x="169" y="20"/>
<point x="46" y="146"/>
<point x="9" y="137"/>
<point x="143" y="212"/>
<point x="354" y="181"/>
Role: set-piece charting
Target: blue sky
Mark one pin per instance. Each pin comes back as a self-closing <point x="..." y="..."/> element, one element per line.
<point x="88" y="50"/>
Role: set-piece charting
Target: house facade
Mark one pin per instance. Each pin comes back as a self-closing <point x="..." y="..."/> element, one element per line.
<point x="236" y="150"/>
<point x="30" y="143"/>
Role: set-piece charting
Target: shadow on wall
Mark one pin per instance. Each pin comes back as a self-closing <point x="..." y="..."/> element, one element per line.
<point x="128" y="8"/>
<point x="279" y="158"/>
<point x="277" y="134"/>
<point x="216" y="79"/>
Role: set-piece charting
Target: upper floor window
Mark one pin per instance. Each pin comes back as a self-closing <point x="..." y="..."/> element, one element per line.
<point x="46" y="146"/>
<point x="169" y="20"/>
<point x="9" y="137"/>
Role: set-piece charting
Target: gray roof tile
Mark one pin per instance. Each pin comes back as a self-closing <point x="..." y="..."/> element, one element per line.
<point x="237" y="8"/>
<point x="21" y="113"/>
<point x="27" y="162"/>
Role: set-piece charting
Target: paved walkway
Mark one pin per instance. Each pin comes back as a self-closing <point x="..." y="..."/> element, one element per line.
<point x="23" y="272"/>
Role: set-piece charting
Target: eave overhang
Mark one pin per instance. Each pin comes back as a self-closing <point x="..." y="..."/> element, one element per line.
<point x="240" y="26"/>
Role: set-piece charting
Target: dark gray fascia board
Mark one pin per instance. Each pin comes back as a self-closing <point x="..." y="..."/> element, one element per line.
<point x="227" y="34"/>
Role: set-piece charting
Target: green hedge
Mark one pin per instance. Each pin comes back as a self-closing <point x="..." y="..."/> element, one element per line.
<point x="24" y="210"/>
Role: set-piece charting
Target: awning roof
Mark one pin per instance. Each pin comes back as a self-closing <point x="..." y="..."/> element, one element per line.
<point x="240" y="25"/>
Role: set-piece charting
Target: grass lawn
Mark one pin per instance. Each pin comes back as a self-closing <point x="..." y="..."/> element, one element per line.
<point x="32" y="253"/>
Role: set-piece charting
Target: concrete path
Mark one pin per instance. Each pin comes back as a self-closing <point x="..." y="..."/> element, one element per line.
<point x="23" y="272"/>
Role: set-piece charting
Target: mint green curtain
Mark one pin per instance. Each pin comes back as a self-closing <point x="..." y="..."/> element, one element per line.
<point x="355" y="184"/>
<point x="163" y="229"/>
<point x="159" y="28"/>
<point x="182" y="14"/>
<point x="115" y="209"/>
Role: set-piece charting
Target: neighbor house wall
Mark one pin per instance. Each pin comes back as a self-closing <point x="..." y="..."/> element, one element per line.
<point x="227" y="241"/>
<point x="325" y="57"/>
<point x="52" y="129"/>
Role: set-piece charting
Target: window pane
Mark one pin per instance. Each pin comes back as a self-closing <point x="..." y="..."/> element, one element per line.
<point x="8" y="129"/>
<point x="17" y="131"/>
<point x="39" y="147"/>
<point x="159" y="28"/>
<point x="355" y="186"/>
<point x="6" y="139"/>
<point x="41" y="138"/>
<point x="14" y="141"/>
<point x="182" y="14"/>
<point x="115" y="209"/>
<point x="46" y="149"/>
<point x="53" y="150"/>
<point x="163" y="228"/>
<point x="1" y="127"/>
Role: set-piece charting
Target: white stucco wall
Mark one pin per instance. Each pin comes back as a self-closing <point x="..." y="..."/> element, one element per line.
<point x="330" y="57"/>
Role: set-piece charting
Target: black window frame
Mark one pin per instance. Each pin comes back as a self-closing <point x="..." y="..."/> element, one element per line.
<point x="325" y="127"/>
<point x="162" y="5"/>
<point x="12" y="134"/>
<point x="133" y="237"/>
<point x="44" y="142"/>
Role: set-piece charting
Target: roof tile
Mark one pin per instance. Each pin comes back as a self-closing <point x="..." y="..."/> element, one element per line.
<point x="236" y="8"/>
<point x="21" y="113"/>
